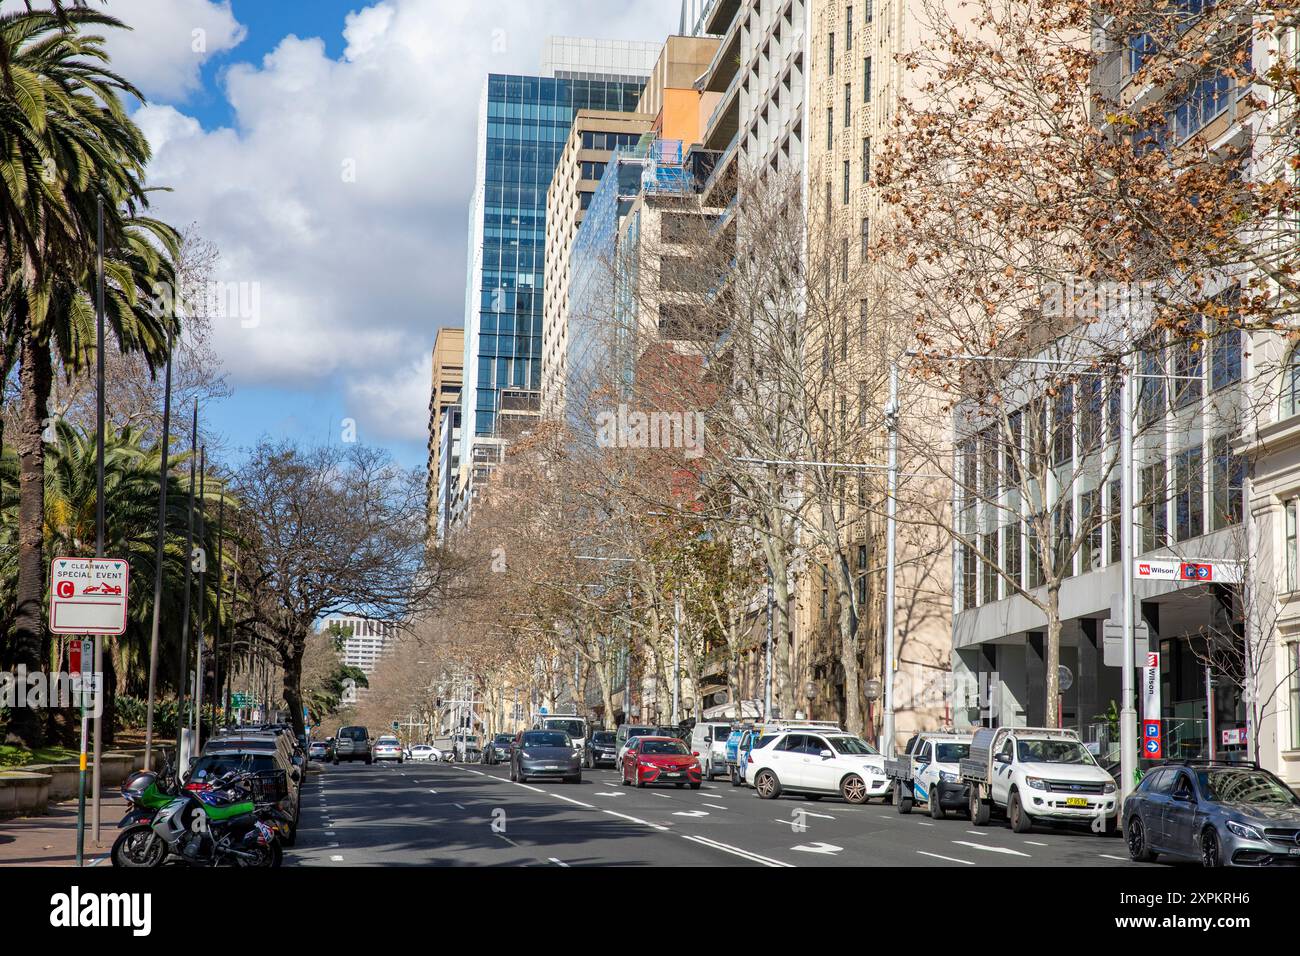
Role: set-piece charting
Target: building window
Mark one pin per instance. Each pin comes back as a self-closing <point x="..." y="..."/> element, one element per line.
<point x="830" y="56"/>
<point x="869" y="6"/>
<point x="866" y="80"/>
<point x="863" y="318"/>
<point x="1011" y="553"/>
<point x="1090" y="399"/>
<point x="1151" y="383"/>
<point x="830" y="192"/>
<point x="989" y="569"/>
<point x="1225" y="357"/>
<point x="848" y="28"/>
<point x="969" y="577"/>
<point x="1189" y="495"/>
<point x="1291" y="385"/>
<point x="844" y="278"/>
<point x="1034" y="576"/>
<point x="866" y="237"/>
<point x="1114" y="509"/>
<point x="826" y="590"/>
<point x="1063" y="426"/>
<point x="1293" y="660"/>
<point x="866" y="159"/>
<point x="1227" y="483"/>
<point x="1090" y="521"/>
<point x="1291" y="544"/>
<point x="846" y="182"/>
<point x="1155" y="514"/>
<point x="830" y="127"/>
<point x="1187" y="366"/>
<point x="848" y="105"/>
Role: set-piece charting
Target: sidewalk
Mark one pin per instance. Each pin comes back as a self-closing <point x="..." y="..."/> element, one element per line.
<point x="51" y="840"/>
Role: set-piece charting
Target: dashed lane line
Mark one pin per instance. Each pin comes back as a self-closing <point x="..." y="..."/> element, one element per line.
<point x="990" y="849"/>
<point x="950" y="859"/>
<point x="736" y="851"/>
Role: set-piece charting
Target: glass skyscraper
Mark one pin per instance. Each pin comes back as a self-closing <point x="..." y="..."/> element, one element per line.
<point x="523" y="124"/>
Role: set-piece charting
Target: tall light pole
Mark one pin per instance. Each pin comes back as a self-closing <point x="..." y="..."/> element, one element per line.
<point x="677" y="657"/>
<point x="1127" y="712"/>
<point x="891" y="571"/>
<point x="159" y="553"/>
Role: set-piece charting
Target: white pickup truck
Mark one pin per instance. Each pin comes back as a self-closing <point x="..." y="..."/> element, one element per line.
<point x="1037" y="774"/>
<point x="927" y="772"/>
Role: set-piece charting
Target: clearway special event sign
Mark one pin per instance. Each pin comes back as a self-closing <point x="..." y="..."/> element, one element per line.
<point x="88" y="595"/>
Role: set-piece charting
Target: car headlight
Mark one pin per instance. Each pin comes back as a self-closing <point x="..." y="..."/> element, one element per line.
<point x="526" y="755"/>
<point x="1108" y="788"/>
<point x="947" y="777"/>
<point x="1244" y="830"/>
<point x="1036" y="783"/>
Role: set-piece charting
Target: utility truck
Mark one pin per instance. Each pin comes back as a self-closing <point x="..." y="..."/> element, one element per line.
<point x="1037" y="774"/>
<point x="928" y="772"/>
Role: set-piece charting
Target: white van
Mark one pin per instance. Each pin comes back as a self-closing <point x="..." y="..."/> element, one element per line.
<point x="571" y="724"/>
<point x="709" y="740"/>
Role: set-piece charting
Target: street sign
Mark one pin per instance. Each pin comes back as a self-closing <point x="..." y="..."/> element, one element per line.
<point x="1112" y="643"/>
<point x="1201" y="572"/>
<point x="1235" y="737"/>
<point x="74" y="656"/>
<point x="89" y="595"/>
<point x="1152" y="746"/>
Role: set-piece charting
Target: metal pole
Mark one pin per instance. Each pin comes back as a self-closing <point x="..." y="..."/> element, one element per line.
<point x="767" y="654"/>
<point x="182" y="685"/>
<point x="220" y="701"/>
<point x="165" y="460"/>
<point x="1127" y="713"/>
<point x="198" y="641"/>
<point x="1209" y="708"/>
<point x="677" y="657"/>
<point x="99" y="506"/>
<point x="891" y="526"/>
<point x="230" y="651"/>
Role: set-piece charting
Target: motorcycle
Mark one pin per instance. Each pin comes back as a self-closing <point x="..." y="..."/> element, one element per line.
<point x="223" y="825"/>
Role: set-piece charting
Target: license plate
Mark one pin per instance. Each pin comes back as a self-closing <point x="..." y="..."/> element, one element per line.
<point x="673" y="774"/>
<point x="1294" y="851"/>
<point x="1076" y="802"/>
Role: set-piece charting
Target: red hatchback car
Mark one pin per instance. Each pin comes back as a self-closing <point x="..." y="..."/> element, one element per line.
<point x="660" y="760"/>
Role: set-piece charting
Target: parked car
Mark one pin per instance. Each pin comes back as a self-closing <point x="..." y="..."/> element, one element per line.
<point x="1037" y="774"/>
<point x="221" y="760"/>
<point x="625" y="733"/>
<point x="545" y="753"/>
<point x="497" y="749"/>
<point x="710" y="741"/>
<point x="602" y="747"/>
<point x="423" y="752"/>
<point x="660" y="760"/>
<point x="928" y="771"/>
<point x="1221" y="814"/>
<point x="816" y="765"/>
<point x="389" y="748"/>
<point x="352" y="743"/>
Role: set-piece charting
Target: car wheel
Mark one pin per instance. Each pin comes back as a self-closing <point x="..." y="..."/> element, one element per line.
<point x="639" y="783"/>
<point x="979" y="809"/>
<point x="903" y="800"/>
<point x="514" y="777"/>
<point x="522" y="778"/>
<point x="1020" y="820"/>
<point x="695" y="786"/>
<point x="1210" y="854"/>
<point x="680" y="785"/>
<point x="936" y="808"/>
<point x="768" y="787"/>
<point x="623" y="781"/>
<point x="735" y="777"/>
<point x="369" y="761"/>
<point x="853" y="789"/>
<point x="1136" y="837"/>
<point x="336" y="761"/>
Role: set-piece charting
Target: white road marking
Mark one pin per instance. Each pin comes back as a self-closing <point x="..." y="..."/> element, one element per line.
<point x="950" y="859"/>
<point x="1036" y="843"/>
<point x="507" y="839"/>
<point x="579" y="803"/>
<point x="830" y="849"/>
<point x="824" y="816"/>
<point x="735" y="851"/>
<point x="664" y="795"/>
<point x="923" y="823"/>
<point x="690" y="813"/>
<point x="558" y="862"/>
<point x="979" y="832"/>
<point x="990" y="849"/>
<point x="644" y="823"/>
<point x="336" y="858"/>
<point x="433" y="791"/>
<point x="715" y="806"/>
<point x="459" y="806"/>
<point x="607" y="793"/>
<point x="1109" y="857"/>
<point x="329" y="833"/>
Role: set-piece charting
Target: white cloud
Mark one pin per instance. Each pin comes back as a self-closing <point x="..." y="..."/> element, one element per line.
<point x="342" y="190"/>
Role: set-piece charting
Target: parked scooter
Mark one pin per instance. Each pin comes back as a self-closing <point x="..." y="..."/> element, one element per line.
<point x="221" y="826"/>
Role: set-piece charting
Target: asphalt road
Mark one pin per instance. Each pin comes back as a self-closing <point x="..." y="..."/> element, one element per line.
<point x="418" y="814"/>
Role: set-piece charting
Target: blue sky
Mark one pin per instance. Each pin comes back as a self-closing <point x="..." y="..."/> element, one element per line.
<point x="327" y="149"/>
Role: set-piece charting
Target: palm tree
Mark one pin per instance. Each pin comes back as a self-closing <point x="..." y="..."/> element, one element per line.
<point x="73" y="150"/>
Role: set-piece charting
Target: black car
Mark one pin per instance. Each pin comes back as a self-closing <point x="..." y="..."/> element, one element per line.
<point x="602" y="747"/>
<point x="497" y="749"/>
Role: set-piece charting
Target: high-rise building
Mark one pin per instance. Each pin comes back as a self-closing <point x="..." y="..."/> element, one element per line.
<point x="365" y="639"/>
<point x="448" y="369"/>
<point x="524" y="122"/>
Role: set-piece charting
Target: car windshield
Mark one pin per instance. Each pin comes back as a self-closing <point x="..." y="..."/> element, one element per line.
<point x="639" y="732"/>
<point x="214" y="766"/>
<point x="1053" y="751"/>
<point x="603" y="737"/>
<point x="353" y="733"/>
<point x="546" y="738"/>
<point x="388" y="741"/>
<point x="1251" y="787"/>
<point x="574" y="728"/>
<point x="851" y="745"/>
<point x="951" y="753"/>
<point x="502" y="739"/>
<point x="675" y="747"/>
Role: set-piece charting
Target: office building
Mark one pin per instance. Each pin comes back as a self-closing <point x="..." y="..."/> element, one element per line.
<point x="444" y="394"/>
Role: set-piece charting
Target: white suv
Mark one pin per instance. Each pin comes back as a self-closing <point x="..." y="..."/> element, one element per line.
<point x="800" y="761"/>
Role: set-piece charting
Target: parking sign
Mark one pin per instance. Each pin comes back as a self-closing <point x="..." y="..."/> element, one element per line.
<point x="89" y="595"/>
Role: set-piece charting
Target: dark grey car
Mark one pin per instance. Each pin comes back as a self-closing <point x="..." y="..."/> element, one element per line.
<point x="545" y="753"/>
<point x="1221" y="814"/>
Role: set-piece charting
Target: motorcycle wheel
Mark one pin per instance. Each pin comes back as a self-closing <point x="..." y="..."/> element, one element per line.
<point x="134" y="849"/>
<point x="270" y="855"/>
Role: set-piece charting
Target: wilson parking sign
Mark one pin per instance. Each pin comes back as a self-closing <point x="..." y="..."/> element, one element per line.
<point x="89" y="595"/>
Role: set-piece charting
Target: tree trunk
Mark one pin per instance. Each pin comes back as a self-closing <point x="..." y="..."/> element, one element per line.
<point x="291" y="663"/>
<point x="1052" y="652"/>
<point x="781" y="643"/>
<point x="29" y="624"/>
<point x="848" y="624"/>
<point x="601" y="667"/>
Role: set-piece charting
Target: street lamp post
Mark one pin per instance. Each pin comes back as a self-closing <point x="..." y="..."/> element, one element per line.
<point x="891" y="571"/>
